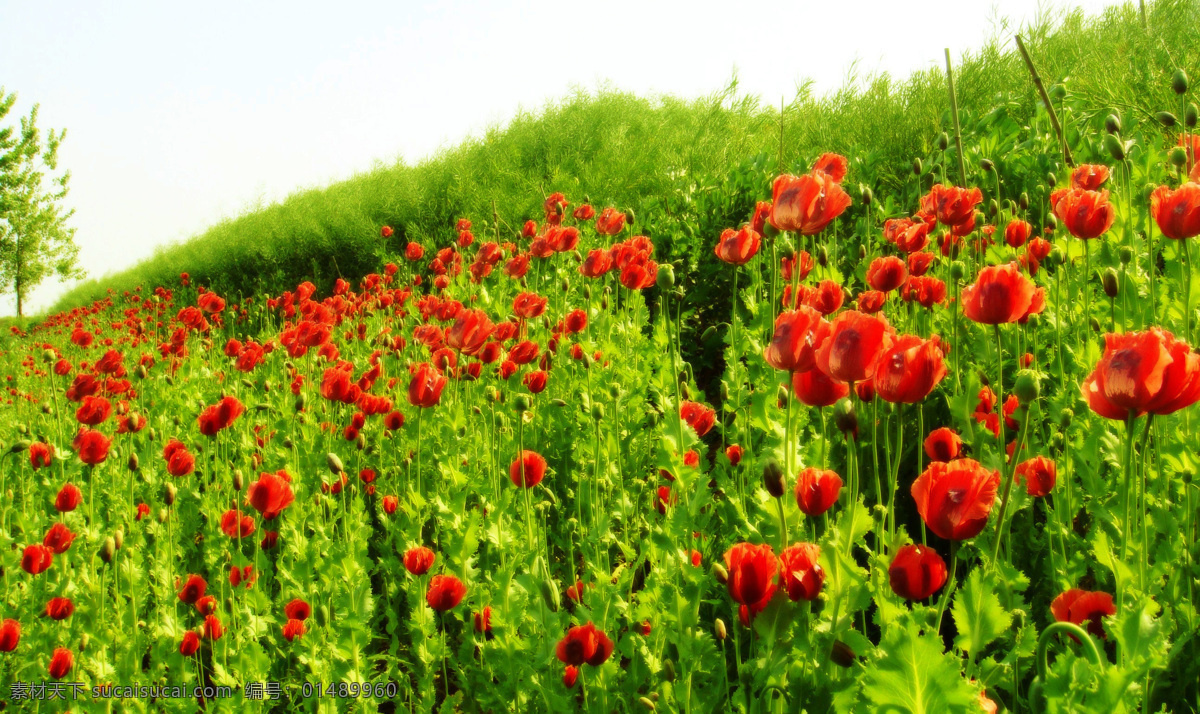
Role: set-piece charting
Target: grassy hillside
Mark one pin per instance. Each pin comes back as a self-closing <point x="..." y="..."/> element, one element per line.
<point x="643" y="153"/>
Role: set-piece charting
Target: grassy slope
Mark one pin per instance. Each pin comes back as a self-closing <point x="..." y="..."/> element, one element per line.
<point x="623" y="150"/>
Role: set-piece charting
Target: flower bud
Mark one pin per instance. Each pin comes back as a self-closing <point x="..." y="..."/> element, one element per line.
<point x="549" y="594"/>
<point x="719" y="629"/>
<point x="1051" y="179"/>
<point x="823" y="257"/>
<point x="1095" y="325"/>
<point x="107" y="549"/>
<point x="1126" y="254"/>
<point x="987" y="165"/>
<point x="1023" y="201"/>
<point x="1112" y="124"/>
<point x="237" y="479"/>
<point x="161" y="515"/>
<point x="916" y="167"/>
<point x="597" y="411"/>
<point x="1189" y="116"/>
<point x="1179" y="82"/>
<point x="299" y="402"/>
<point x="943" y="141"/>
<point x="521" y="403"/>
<point x="720" y="573"/>
<point x="1027" y="387"/>
<point x="169" y="498"/>
<point x="957" y="271"/>
<point x="1167" y="119"/>
<point x="666" y="276"/>
<point x="862" y="252"/>
<point x="1114" y="147"/>
<point x="1051" y="222"/>
<point x="668" y="670"/>
<point x="845" y="417"/>
<point x="1109" y="281"/>
<point x="1177" y="156"/>
<point x="841" y="654"/>
<point x="646" y="703"/>
<point x="773" y="478"/>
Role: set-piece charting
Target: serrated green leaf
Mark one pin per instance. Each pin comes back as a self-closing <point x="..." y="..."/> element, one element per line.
<point x="914" y="675"/>
<point x="978" y="614"/>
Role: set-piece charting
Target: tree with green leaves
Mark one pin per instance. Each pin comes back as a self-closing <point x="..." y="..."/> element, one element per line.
<point x="35" y="241"/>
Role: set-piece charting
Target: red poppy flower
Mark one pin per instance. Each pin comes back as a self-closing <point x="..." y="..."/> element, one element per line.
<point x="59" y="608"/>
<point x="734" y="453"/>
<point x="414" y="251"/>
<point x="610" y="222"/>
<point x="179" y="461"/>
<point x="887" y="273"/>
<point x="469" y="332"/>
<point x="68" y="499"/>
<point x="817" y="490"/>
<point x="293" y="629"/>
<point x="1085" y="609"/>
<point x="856" y="341"/>
<point x="206" y="605"/>
<point x="570" y="676"/>
<point x="418" y="560"/>
<point x="584" y="644"/>
<point x="943" y="444"/>
<point x="529" y="305"/>
<point x="698" y="416"/>
<point x="61" y="663"/>
<point x="909" y="369"/>
<point x="483" y="619"/>
<point x="528" y="470"/>
<point x="386" y="232"/>
<point x="58" y="539"/>
<point x="235" y="525"/>
<point x="1016" y="233"/>
<point x="36" y="559"/>
<point x="390" y="504"/>
<point x="916" y="572"/>
<point x="738" y="247"/>
<point x="193" y="589"/>
<point x="93" y="410"/>
<point x="799" y="572"/>
<point x="92" y="446"/>
<point x="244" y="574"/>
<point x="1000" y="294"/>
<point x="1086" y="214"/>
<point x="425" y="388"/>
<point x="955" y="499"/>
<point x="269" y="495"/>
<point x="574" y="322"/>
<point x="638" y="275"/>
<point x="297" y="609"/>
<point x="1089" y="177"/>
<point x="816" y="389"/>
<point x="788" y="263"/>
<point x="535" y="382"/>
<point x="908" y="234"/>
<point x="752" y="570"/>
<point x="833" y="164"/>
<point x="40" y="454"/>
<point x="597" y="263"/>
<point x="871" y="301"/>
<point x="665" y="498"/>
<point x="213" y="629"/>
<point x="1143" y="372"/>
<point x="798" y="334"/>
<point x="926" y="290"/>
<point x="10" y="635"/>
<point x="1039" y="475"/>
<point x="189" y="644"/>
<point x="951" y="205"/>
<point x="1177" y="212"/>
<point x="808" y="203"/>
<point x="445" y="592"/>
<point x="220" y="415"/>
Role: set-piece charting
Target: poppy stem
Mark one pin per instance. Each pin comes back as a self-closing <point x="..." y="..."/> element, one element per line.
<point x="950" y="585"/>
<point x="1187" y="291"/>
<point x="1142" y="503"/>
<point x="1127" y="462"/>
<point x="731" y="367"/>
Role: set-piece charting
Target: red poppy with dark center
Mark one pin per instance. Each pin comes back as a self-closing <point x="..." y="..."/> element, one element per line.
<point x="827" y="298"/>
<point x="1000" y="294"/>
<point x="213" y="629"/>
<point x="58" y="539"/>
<point x="943" y="444"/>
<point x="297" y="609"/>
<point x="815" y="389"/>
<point x="1016" y="233"/>
<point x="640" y="274"/>
<point x="808" y="203"/>
<point x="1177" y="212"/>
<point x="738" y="247"/>
<point x="817" y="490"/>
<point x="193" y="589"/>
<point x="951" y="205"/>
<point x="36" y="559"/>
<point x="40" y="454"/>
<point x="734" y="453"/>
<point x="236" y="525"/>
<point x="1084" y="608"/>
<point x="418" y="560"/>
<point x="887" y="273"/>
<point x="1086" y="214"/>
<point x="1039" y="475"/>
<point x="270" y="494"/>
<point x="856" y="341"/>
<point x="954" y="499"/>
<point x="584" y="644"/>
<point x="909" y="369"/>
<point x="1142" y="372"/>
<point x="871" y="301"/>
<point x="445" y="592"/>
<point x="59" y="608"/>
<point x="916" y="572"/>
<point x="752" y="575"/>
<point x="833" y="164"/>
<point x="293" y="629"/>
<point x="1089" y="177"/>
<point x="68" y="499"/>
<point x="798" y="334"/>
<point x="698" y="416"/>
<point x="528" y="470"/>
<point x="799" y="572"/>
<point x="92" y="446"/>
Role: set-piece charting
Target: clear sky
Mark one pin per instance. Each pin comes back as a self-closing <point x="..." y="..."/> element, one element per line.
<point x="181" y="114"/>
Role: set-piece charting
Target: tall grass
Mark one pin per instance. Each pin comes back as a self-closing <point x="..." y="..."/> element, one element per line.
<point x="637" y="153"/>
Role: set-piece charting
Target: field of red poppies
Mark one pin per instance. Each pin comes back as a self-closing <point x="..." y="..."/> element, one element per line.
<point x="950" y="465"/>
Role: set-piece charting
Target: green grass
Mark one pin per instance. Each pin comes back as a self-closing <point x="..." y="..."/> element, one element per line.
<point x="641" y="153"/>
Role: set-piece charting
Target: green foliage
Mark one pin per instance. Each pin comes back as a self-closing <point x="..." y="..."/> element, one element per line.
<point x="978" y="614"/>
<point x="915" y="676"/>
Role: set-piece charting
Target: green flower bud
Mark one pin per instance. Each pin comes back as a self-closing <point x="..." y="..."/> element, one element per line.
<point x="522" y="403"/>
<point x="719" y="629"/>
<point x="108" y="549"/>
<point x="334" y="462"/>
<point x="666" y="276"/>
<point x="957" y="271"/>
<point x="774" y="479"/>
<point x="943" y="141"/>
<point x="1112" y="124"/>
<point x="917" y="167"/>
<point x="845" y="417"/>
<point x="987" y="165"/>
<point x="1109" y="281"/>
<point x="1189" y="116"/>
<point x="1112" y="144"/>
<point x="1167" y="119"/>
<point x="1027" y="387"/>
<point x="1179" y="82"/>
<point x="721" y="574"/>
<point x="597" y="411"/>
<point x="1023" y="201"/>
<point x="1177" y="156"/>
<point x="1126" y="254"/>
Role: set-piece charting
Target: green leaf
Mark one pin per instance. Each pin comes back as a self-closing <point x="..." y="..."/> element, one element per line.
<point x="915" y="675"/>
<point x="978" y="614"/>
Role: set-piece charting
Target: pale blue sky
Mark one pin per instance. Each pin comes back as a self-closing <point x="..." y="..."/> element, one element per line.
<point x="180" y="114"/>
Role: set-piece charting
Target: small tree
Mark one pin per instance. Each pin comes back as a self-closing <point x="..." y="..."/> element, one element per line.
<point x="35" y="240"/>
